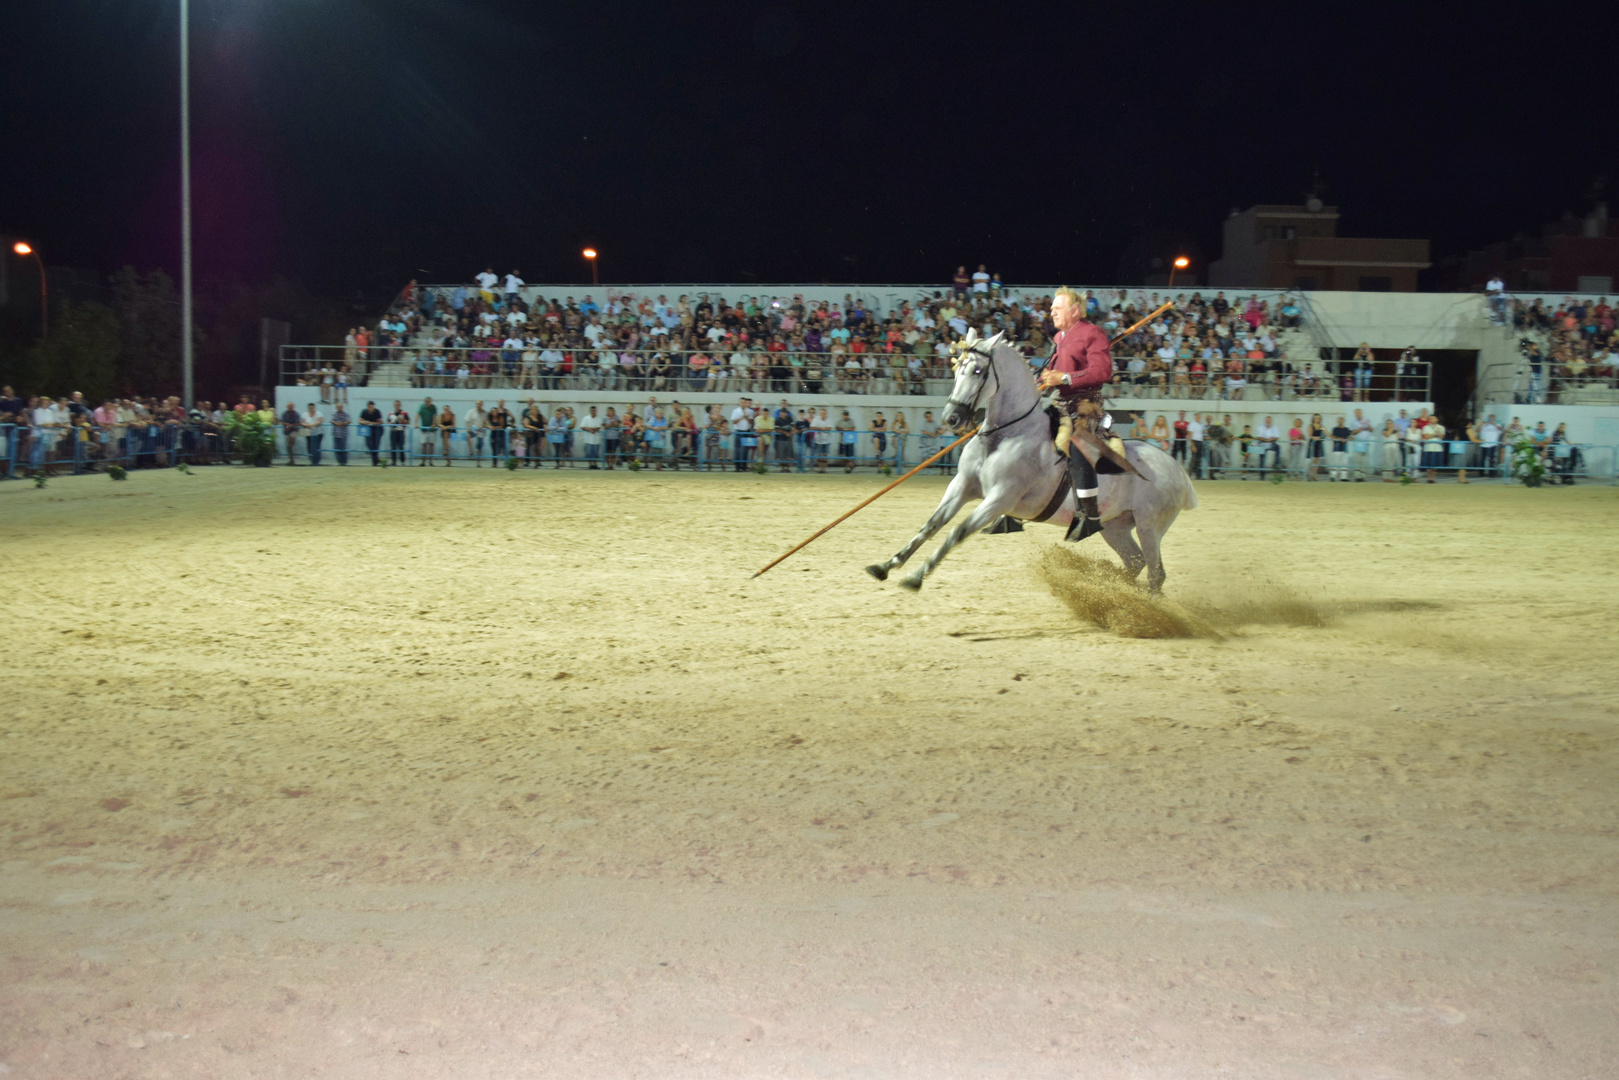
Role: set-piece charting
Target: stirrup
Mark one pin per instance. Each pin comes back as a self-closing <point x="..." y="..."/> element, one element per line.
<point x="1081" y="527"/>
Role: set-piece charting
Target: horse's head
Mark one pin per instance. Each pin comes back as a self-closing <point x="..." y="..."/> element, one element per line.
<point x="974" y="361"/>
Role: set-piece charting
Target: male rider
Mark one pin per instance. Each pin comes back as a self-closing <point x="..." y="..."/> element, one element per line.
<point x="1079" y="366"/>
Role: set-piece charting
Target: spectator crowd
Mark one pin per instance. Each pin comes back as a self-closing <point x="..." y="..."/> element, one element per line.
<point x="486" y="335"/>
<point x="1570" y="347"/>
<point x="45" y="436"/>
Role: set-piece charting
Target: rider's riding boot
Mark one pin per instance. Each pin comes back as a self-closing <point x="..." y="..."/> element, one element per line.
<point x="1087" y="519"/>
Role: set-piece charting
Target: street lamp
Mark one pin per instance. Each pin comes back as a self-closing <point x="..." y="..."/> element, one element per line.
<point x="590" y="257"/>
<point x="1181" y="263"/>
<point x="24" y="249"/>
<point x="185" y="202"/>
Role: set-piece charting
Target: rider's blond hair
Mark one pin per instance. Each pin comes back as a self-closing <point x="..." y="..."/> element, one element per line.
<point x="1077" y="299"/>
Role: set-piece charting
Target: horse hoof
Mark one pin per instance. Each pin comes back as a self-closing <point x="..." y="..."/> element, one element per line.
<point x="913" y="583"/>
<point x="878" y="571"/>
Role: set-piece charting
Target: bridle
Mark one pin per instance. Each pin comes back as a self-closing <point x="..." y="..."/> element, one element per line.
<point x="983" y="384"/>
<point x="972" y="407"/>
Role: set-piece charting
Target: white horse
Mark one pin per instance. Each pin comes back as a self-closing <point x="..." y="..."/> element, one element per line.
<point x="1012" y="466"/>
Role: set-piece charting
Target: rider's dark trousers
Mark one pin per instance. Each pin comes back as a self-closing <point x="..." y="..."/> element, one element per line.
<point x="1081" y="471"/>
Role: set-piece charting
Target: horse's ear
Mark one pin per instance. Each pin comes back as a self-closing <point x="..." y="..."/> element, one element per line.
<point x="996" y="340"/>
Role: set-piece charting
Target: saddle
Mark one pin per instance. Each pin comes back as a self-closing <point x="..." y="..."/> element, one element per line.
<point x="1108" y="460"/>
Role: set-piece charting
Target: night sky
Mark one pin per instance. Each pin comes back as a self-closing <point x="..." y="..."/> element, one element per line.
<point x="353" y="144"/>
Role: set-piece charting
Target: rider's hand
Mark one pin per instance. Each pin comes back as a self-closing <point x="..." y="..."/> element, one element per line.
<point x="1050" y="379"/>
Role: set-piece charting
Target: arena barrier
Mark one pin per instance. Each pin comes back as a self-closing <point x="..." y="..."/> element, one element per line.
<point x="705" y="450"/>
<point x="797" y="373"/>
<point x="25" y="450"/>
<point x="1391" y="460"/>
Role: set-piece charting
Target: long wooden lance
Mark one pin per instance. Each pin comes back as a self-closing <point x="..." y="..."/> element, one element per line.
<point x="969" y="434"/>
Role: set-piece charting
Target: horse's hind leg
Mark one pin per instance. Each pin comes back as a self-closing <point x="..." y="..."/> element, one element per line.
<point x="1150" y="538"/>
<point x="949" y="506"/>
<point x="982" y="515"/>
<point x="1116" y="531"/>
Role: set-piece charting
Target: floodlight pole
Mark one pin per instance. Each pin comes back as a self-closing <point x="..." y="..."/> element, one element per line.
<point x="187" y="391"/>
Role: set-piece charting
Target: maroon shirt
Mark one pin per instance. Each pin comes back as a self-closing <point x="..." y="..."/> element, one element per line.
<point x="1082" y="354"/>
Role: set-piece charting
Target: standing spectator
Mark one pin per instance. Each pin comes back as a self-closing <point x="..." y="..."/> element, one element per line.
<point x="764" y="430"/>
<point x="427" y="420"/>
<point x="1317" y="448"/>
<point x="1338" y="463"/>
<point x="371" y="428"/>
<point x="879" y="437"/>
<point x="291" y="425"/>
<point x="340" y="433"/>
<point x="981" y="283"/>
<point x="1218" y="438"/>
<point x="486" y="284"/>
<point x="961" y="282"/>
<point x="591" y="425"/>
<point x="657" y="437"/>
<point x="848" y="438"/>
<point x="1360" y="434"/>
<point x="1495" y="290"/>
<point x="1489" y="438"/>
<point x="446" y="431"/>
<point x="475" y="423"/>
<point x="1178" y="445"/>
<point x="784" y="436"/>
<point x="398" y="424"/>
<point x="821" y="426"/>
<point x="741" y="426"/>
<point x="1363" y="372"/>
<point x="1392" y="451"/>
<point x="1269" y="443"/>
<point x="556" y="434"/>
<point x="1194" y="439"/>
<point x="534" y="434"/>
<point x="902" y="431"/>
<point x="1160" y="434"/>
<point x="499" y="422"/>
<point x="612" y="436"/>
<point x="513" y="285"/>
<point x="1433" y="448"/>
<point x="1408" y="376"/>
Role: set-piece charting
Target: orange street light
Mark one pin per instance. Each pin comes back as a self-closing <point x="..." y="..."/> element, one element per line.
<point x="590" y="256"/>
<point x="23" y="250"/>
<point x="1181" y="263"/>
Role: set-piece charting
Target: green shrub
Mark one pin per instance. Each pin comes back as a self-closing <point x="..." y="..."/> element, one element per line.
<point x="117" y="472"/>
<point x="1527" y="464"/>
<point x="252" y="437"/>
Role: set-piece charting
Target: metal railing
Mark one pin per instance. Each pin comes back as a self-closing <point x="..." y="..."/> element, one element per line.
<point x="647" y="370"/>
<point x="25" y="450"/>
<point x="1266" y="381"/>
<point x="1389" y="460"/>
<point x="706" y="449"/>
<point x="653" y="371"/>
<point x="1546" y="383"/>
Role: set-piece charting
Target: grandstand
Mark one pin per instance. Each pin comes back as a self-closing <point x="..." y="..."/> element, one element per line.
<point x="861" y="348"/>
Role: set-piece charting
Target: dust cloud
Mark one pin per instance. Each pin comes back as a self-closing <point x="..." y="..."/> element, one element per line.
<point x="1102" y="594"/>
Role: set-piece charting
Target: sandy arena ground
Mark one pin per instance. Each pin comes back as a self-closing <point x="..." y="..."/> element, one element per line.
<point x="419" y="773"/>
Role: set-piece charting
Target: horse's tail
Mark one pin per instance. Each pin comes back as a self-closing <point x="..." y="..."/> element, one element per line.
<point x="1189" y="499"/>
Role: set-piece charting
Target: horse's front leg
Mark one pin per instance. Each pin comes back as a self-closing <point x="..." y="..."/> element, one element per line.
<point x="949" y="507"/>
<point x="984" y="513"/>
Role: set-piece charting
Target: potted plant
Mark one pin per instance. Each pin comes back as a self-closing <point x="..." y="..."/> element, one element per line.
<point x="251" y="436"/>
